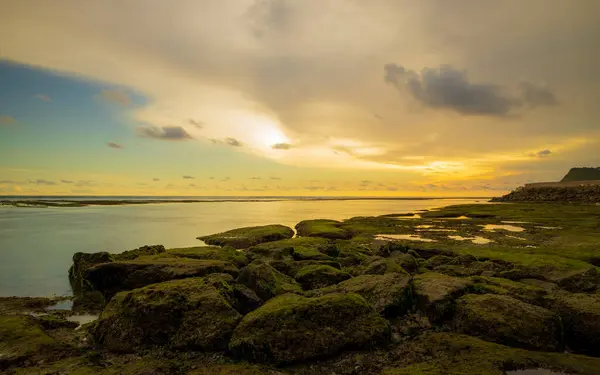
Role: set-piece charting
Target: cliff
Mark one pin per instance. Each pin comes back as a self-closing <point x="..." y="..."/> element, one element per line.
<point x="582" y="174"/>
<point x="589" y="193"/>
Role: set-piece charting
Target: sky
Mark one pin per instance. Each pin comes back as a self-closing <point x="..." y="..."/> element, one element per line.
<point x="285" y="97"/>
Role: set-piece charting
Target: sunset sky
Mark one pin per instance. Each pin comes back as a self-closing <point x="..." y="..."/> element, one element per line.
<point x="284" y="97"/>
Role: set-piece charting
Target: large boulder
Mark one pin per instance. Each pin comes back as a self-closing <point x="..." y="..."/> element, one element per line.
<point x="435" y="293"/>
<point x="320" y="276"/>
<point x="243" y="238"/>
<point x="266" y="281"/>
<point x="323" y="228"/>
<point x="111" y="278"/>
<point x="193" y="313"/>
<point x="226" y="254"/>
<point x="389" y="294"/>
<point x="380" y="266"/>
<point x="584" y="280"/>
<point x="309" y="253"/>
<point x="507" y="321"/>
<point x="580" y="314"/>
<point x="81" y="263"/>
<point x="525" y="292"/>
<point x="283" y="249"/>
<point x="292" y="328"/>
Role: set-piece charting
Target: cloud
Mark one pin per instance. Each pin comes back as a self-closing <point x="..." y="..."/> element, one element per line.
<point x="196" y="124"/>
<point x="43" y="97"/>
<point x="255" y="178"/>
<point x="156" y="179"/>
<point x="188" y="177"/>
<point x="233" y="142"/>
<point x="275" y="178"/>
<point x="117" y="96"/>
<point x="543" y="153"/>
<point x="7" y="182"/>
<point x="166" y="133"/>
<point x="40" y="181"/>
<point x="66" y="181"/>
<point x="281" y="146"/>
<point x="7" y="120"/>
<point x="449" y="88"/>
<point x="114" y="145"/>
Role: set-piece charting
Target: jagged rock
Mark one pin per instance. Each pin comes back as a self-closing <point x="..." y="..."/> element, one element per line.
<point x="193" y="313"/>
<point x="292" y="328"/>
<point x="381" y="266"/>
<point x="389" y="294"/>
<point x="507" y="321"/>
<point x="435" y="293"/>
<point x="320" y="276"/>
<point x="521" y="291"/>
<point x="245" y="299"/>
<point x="243" y="238"/>
<point x="322" y="228"/>
<point x="587" y="280"/>
<point x="266" y="281"/>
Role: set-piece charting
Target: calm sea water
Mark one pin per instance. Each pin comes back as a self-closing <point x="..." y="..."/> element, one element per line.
<point x="37" y="244"/>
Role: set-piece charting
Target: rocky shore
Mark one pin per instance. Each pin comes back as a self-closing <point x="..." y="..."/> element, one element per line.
<point x="393" y="294"/>
<point x="574" y="194"/>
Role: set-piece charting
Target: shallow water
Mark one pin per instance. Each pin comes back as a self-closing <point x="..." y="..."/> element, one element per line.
<point x="37" y="244"/>
<point x="475" y="239"/>
<point x="407" y="237"/>
<point x="510" y="228"/>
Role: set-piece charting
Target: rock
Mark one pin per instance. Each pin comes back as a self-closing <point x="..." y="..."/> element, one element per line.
<point x="580" y="314"/>
<point x="435" y="294"/>
<point x="381" y="266"/>
<point x="308" y="253"/>
<point x="81" y="263"/>
<point x="292" y="328"/>
<point x="243" y="238"/>
<point x="521" y="291"/>
<point x="507" y="321"/>
<point x="50" y="322"/>
<point x="519" y="273"/>
<point x="266" y="281"/>
<point x="472" y="269"/>
<point x="226" y="254"/>
<point x="193" y="313"/>
<point x="587" y="280"/>
<point x="18" y="305"/>
<point x="291" y="267"/>
<point x="322" y="228"/>
<point x="282" y="250"/>
<point x="140" y="251"/>
<point x="438" y="260"/>
<point x="319" y="276"/>
<point x="245" y="299"/>
<point x="405" y="260"/>
<point x="242" y="369"/>
<point x="23" y="341"/>
<point x="389" y="294"/>
<point x="111" y="278"/>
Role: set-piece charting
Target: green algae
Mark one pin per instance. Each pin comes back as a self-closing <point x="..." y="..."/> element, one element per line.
<point x="323" y="228"/>
<point x="242" y="238"/>
<point x="227" y="254"/>
<point x="319" y="276"/>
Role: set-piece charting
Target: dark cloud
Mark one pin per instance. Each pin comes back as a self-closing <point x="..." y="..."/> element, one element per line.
<point x="188" y="177"/>
<point x="313" y="188"/>
<point x="192" y="185"/>
<point x="118" y="96"/>
<point x="255" y="178"/>
<point x="43" y="97"/>
<point x="225" y="179"/>
<point x="196" y="124"/>
<point x="7" y="120"/>
<point x="156" y="179"/>
<point x="40" y="181"/>
<point x="85" y="183"/>
<point x="233" y="142"/>
<point x="281" y="146"/>
<point x="66" y="181"/>
<point x="449" y="88"/>
<point x="114" y="145"/>
<point x="166" y="133"/>
<point x="542" y="153"/>
<point x="211" y="178"/>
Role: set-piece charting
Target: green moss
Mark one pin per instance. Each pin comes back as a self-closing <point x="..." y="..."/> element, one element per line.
<point x="227" y="254"/>
<point x="139" y="252"/>
<point x="505" y="320"/>
<point x="308" y="253"/>
<point x="524" y="292"/>
<point x="234" y="369"/>
<point x="319" y="276"/>
<point x="266" y="281"/>
<point x="380" y="266"/>
<point x="243" y="238"/>
<point x="16" y="305"/>
<point x="322" y="228"/>
<point x="435" y="293"/>
<point x="291" y="328"/>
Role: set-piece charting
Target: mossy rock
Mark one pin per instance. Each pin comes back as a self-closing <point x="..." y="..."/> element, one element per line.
<point x="438" y="260"/>
<point x="457" y="354"/>
<point x="435" y="294"/>
<point x="243" y="238"/>
<point x="193" y="313"/>
<point x="111" y="278"/>
<point x="586" y="280"/>
<point x="139" y="252"/>
<point x="580" y="314"/>
<point x="266" y="281"/>
<point x="308" y="253"/>
<point x="528" y="293"/>
<point x="245" y="299"/>
<point x="290" y="267"/>
<point x="320" y="276"/>
<point x="234" y="369"/>
<point x="389" y="294"/>
<point x="405" y="260"/>
<point x="380" y="266"/>
<point x="23" y="342"/>
<point x="227" y="254"/>
<point x="508" y="321"/>
<point x="283" y="249"/>
<point x="323" y="228"/>
<point x="472" y="269"/>
<point x="292" y="328"/>
<point x="17" y="305"/>
<point x="81" y="263"/>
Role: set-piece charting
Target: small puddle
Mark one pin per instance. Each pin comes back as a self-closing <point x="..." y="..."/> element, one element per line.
<point x="82" y="319"/>
<point x="62" y="305"/>
<point x="516" y="237"/>
<point x="475" y="239"/>
<point x="415" y="216"/>
<point x="539" y="371"/>
<point x="514" y="222"/>
<point x="463" y="217"/>
<point x="510" y="228"/>
<point x="407" y="237"/>
<point x="549" y="227"/>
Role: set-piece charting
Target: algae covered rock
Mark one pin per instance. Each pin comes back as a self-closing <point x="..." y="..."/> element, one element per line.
<point x="81" y="263"/>
<point x="308" y="253"/>
<point x="139" y="252"/>
<point x="322" y="228"/>
<point x="283" y="249"/>
<point x="381" y="266"/>
<point x="521" y="291"/>
<point x="580" y="314"/>
<point x="319" y="276"/>
<point x="266" y="281"/>
<point x="586" y="280"/>
<point x="292" y="328"/>
<point x="435" y="293"/>
<point x="111" y="278"/>
<point x="507" y="321"/>
<point x="389" y="294"/>
<point x="243" y="238"/>
<point x="234" y="369"/>
<point x="226" y="254"/>
<point x="193" y="313"/>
